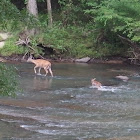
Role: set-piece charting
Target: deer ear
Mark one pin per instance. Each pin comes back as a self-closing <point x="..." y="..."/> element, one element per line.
<point x="31" y="56"/>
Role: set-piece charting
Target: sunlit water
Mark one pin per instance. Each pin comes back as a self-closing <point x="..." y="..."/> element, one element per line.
<point x="67" y="107"/>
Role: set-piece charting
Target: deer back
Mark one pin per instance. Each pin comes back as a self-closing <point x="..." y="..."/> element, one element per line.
<point x="96" y="83"/>
<point x="39" y="62"/>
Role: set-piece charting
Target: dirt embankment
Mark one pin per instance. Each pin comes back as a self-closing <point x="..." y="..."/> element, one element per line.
<point x="107" y="60"/>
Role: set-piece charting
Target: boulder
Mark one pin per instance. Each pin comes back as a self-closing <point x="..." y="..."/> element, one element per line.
<point x="2" y="43"/>
<point x="83" y="60"/>
<point x="124" y="78"/>
<point x="3" y="37"/>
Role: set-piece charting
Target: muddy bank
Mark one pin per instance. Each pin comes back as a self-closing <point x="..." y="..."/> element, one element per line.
<point x="105" y="60"/>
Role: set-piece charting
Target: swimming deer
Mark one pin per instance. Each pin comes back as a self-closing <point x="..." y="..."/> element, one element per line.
<point x="41" y="63"/>
<point x="96" y="83"/>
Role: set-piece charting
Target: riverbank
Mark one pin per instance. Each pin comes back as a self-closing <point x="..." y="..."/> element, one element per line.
<point x="19" y="58"/>
<point x="105" y="60"/>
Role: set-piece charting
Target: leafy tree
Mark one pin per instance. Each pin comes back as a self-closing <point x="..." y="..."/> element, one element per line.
<point x="105" y="23"/>
<point x="9" y="16"/>
<point x="115" y="22"/>
<point x="120" y="17"/>
<point x="72" y="12"/>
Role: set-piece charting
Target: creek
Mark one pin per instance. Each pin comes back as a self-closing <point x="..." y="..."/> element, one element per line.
<point x="67" y="107"/>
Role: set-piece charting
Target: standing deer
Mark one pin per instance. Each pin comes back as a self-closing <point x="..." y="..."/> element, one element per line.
<point x="96" y="83"/>
<point x="40" y="63"/>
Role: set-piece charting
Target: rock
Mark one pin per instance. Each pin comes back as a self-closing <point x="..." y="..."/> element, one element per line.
<point x="83" y="60"/>
<point x="2" y="43"/>
<point x="2" y="59"/>
<point x="4" y="36"/>
<point x="124" y="78"/>
<point x="115" y="62"/>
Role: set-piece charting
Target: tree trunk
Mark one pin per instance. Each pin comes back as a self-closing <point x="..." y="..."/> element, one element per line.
<point x="32" y="7"/>
<point x="49" y="13"/>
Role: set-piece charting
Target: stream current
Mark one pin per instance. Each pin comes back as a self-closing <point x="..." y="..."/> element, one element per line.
<point x="67" y="107"/>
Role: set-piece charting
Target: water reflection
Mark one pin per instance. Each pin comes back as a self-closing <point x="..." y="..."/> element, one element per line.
<point x="41" y="83"/>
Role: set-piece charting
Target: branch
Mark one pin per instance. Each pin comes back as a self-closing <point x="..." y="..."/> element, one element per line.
<point x="35" y="51"/>
<point x="128" y="41"/>
<point x="23" y="42"/>
<point x="26" y="42"/>
<point x="135" y="50"/>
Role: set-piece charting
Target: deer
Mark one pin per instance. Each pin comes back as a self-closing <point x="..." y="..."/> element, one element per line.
<point x="41" y="63"/>
<point x="96" y="83"/>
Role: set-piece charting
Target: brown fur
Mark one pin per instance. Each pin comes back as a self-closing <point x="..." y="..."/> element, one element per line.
<point x="95" y="83"/>
<point x="40" y="63"/>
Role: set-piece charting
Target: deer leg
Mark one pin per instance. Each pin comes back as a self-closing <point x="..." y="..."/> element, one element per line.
<point x="39" y="71"/>
<point x="46" y="70"/>
<point x="50" y="72"/>
<point x="35" y="69"/>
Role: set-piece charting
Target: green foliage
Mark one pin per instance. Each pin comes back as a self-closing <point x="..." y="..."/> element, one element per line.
<point x="6" y="8"/>
<point x="33" y="49"/>
<point x="8" y="80"/>
<point x="13" y="20"/>
<point x="81" y="28"/>
<point x="1" y="38"/>
<point x="9" y="17"/>
<point x="72" y="12"/>
<point x="121" y="17"/>
<point x="106" y="50"/>
<point x="70" y="41"/>
<point x="11" y="48"/>
<point x="111" y="18"/>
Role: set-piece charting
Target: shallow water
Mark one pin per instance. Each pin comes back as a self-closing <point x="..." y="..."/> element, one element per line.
<point x="67" y="107"/>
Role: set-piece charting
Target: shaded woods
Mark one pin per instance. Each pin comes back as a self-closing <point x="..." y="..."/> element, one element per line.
<point x="60" y="29"/>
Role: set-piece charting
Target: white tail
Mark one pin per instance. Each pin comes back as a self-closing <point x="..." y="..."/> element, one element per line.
<point x="95" y="83"/>
<point x="40" y="63"/>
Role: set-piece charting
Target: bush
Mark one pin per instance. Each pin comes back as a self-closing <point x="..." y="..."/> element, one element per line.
<point x="70" y="41"/>
<point x="8" y="81"/>
<point x="11" y="48"/>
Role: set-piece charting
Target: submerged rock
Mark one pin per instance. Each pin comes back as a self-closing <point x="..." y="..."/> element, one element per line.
<point x="124" y="78"/>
